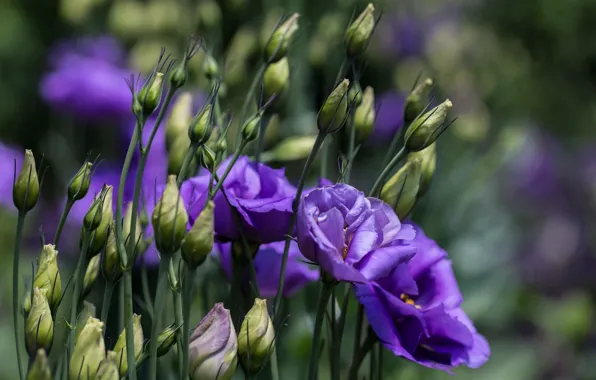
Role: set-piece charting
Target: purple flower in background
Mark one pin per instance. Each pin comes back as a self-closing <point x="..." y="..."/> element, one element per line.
<point x="8" y="155"/>
<point x="262" y="196"/>
<point x="404" y="36"/>
<point x="416" y="311"/>
<point x="352" y="238"/>
<point x="390" y="116"/>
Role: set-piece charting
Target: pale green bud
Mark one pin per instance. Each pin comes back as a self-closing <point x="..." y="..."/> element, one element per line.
<point x="111" y="257"/>
<point x="93" y="217"/>
<point x="26" y="187"/>
<point x="250" y="129"/>
<point x="79" y="185"/>
<point x="169" y="219"/>
<point x="179" y="75"/>
<point x="166" y="339"/>
<point x="179" y="119"/>
<point x="276" y="81"/>
<point x="91" y="274"/>
<point x="99" y="237"/>
<point x="332" y="114"/>
<point x="292" y="149"/>
<point x="118" y="354"/>
<point x="256" y="337"/>
<point x="200" y="128"/>
<point x="27" y="302"/>
<point x="108" y="370"/>
<point x="210" y="67"/>
<point x="359" y="32"/>
<point x="206" y="157"/>
<point x="401" y="191"/>
<point x="47" y="278"/>
<point x="127" y="223"/>
<point x="364" y="116"/>
<point x="39" y="326"/>
<point x="40" y="369"/>
<point x="425" y="129"/>
<point x="150" y="95"/>
<point x="198" y="242"/>
<point x="177" y="154"/>
<point x="209" y="14"/>
<point x="87" y="312"/>
<point x="417" y="100"/>
<point x="88" y="353"/>
<point x="355" y="94"/>
<point x="279" y="43"/>
<point x="428" y="159"/>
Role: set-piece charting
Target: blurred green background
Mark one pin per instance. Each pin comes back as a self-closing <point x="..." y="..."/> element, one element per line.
<point x="514" y="194"/>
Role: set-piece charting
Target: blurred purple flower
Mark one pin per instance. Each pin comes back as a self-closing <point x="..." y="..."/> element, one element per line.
<point x="8" y="156"/>
<point x="390" y="117"/>
<point x="404" y="36"/>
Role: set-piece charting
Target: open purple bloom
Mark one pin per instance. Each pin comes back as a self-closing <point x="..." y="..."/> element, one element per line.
<point x="353" y="238"/>
<point x="417" y="314"/>
<point x="262" y="196"/>
<point x="267" y="264"/>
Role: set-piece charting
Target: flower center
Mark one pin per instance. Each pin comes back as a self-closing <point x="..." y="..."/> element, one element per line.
<point x="406" y="298"/>
<point x="347" y="244"/>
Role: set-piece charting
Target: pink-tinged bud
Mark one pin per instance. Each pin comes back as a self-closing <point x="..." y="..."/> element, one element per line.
<point x="26" y="187"/>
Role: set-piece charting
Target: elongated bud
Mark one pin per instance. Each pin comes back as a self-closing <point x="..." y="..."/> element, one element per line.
<point x="118" y="354"/>
<point x="276" y="81"/>
<point x="169" y="219"/>
<point x="39" y="326"/>
<point x="401" y="190"/>
<point x="206" y="157"/>
<point x="200" y="128"/>
<point x="166" y="339"/>
<point x="79" y="185"/>
<point x="279" y="43"/>
<point x="180" y="117"/>
<point x="291" y="149"/>
<point x="150" y="95"/>
<point x="26" y="187"/>
<point x="428" y="159"/>
<point x="93" y="217"/>
<point x="177" y="154"/>
<point x="211" y="68"/>
<point x="213" y="346"/>
<point x="256" y="337"/>
<point x="332" y="114"/>
<point x="364" y="116"/>
<point x="359" y="32"/>
<point x="111" y="258"/>
<point x="91" y="274"/>
<point x="108" y="370"/>
<point x="99" y="237"/>
<point x="40" y="369"/>
<point x="417" y="100"/>
<point x="425" y="129"/>
<point x="355" y="94"/>
<point x="250" y="129"/>
<point x="198" y="243"/>
<point x="88" y="353"/>
<point x="47" y="278"/>
<point x="88" y="311"/>
<point x="127" y="224"/>
<point x="221" y="147"/>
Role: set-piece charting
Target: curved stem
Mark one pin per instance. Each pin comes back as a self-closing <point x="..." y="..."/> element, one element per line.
<point x="361" y="353"/>
<point x="249" y="97"/>
<point x="76" y="292"/>
<point x="155" y="322"/>
<point x="15" y="289"/>
<point x="188" y="287"/>
<point x="220" y="182"/>
<point x="324" y="296"/>
<point x="386" y="172"/>
<point x="105" y="306"/>
<point x="186" y="163"/>
<point x="65" y="212"/>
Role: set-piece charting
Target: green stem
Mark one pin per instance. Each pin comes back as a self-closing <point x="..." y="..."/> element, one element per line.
<point x="220" y="182"/>
<point x="386" y="172"/>
<point x="128" y="322"/>
<point x="360" y="354"/>
<point x="351" y="148"/>
<point x="145" y="288"/>
<point x="334" y="364"/>
<point x="358" y="331"/>
<point x="78" y="285"/>
<point x="236" y="291"/>
<point x="179" y="318"/>
<point x="160" y="293"/>
<point x="371" y="363"/>
<point x="249" y="97"/>
<point x="186" y="163"/>
<point x="325" y="159"/>
<point x="380" y="359"/>
<point x="105" y="306"/>
<point x="65" y="212"/>
<point x="121" y="306"/>
<point x="188" y="287"/>
<point x="397" y="137"/>
<point x="324" y="296"/>
<point x="273" y="360"/>
<point x="261" y="142"/>
<point x="15" y="289"/>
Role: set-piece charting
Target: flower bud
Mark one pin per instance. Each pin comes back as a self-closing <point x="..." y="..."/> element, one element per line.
<point x="119" y="351"/>
<point x="332" y="114"/>
<point x="425" y="129"/>
<point x="143" y="218"/>
<point x="179" y="119"/>
<point x="401" y="190"/>
<point x="179" y="75"/>
<point x="206" y="157"/>
<point x="417" y="100"/>
<point x="199" y="130"/>
<point x="250" y="129"/>
<point x="177" y="154"/>
<point x="166" y="339"/>
<point x="111" y="257"/>
<point x="169" y="219"/>
<point x="127" y="224"/>
<point x="87" y="312"/>
<point x="91" y="274"/>
<point x="27" y="302"/>
<point x="428" y="159"/>
<point x="26" y="187"/>
<point x="99" y="237"/>
<point x="210" y="67"/>
<point x="89" y="351"/>
<point x="79" y="185"/>
<point x="364" y="116"/>
<point x="39" y="326"/>
<point x="213" y="346"/>
<point x="150" y="95"/>
<point x="222" y="147"/>
<point x="198" y="243"/>
<point x="40" y="369"/>
<point x="355" y="94"/>
<point x="276" y="81"/>
<point x="93" y="217"/>
<point x="359" y="32"/>
<point x="47" y="278"/>
<point x="291" y="149"/>
<point x="279" y="43"/>
<point x="108" y="370"/>
<point x="256" y="337"/>
<point x="209" y="14"/>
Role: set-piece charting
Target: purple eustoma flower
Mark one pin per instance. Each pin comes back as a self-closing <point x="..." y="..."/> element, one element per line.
<point x="417" y="314"/>
<point x="8" y="156"/>
<point x="267" y="264"/>
<point x="351" y="237"/>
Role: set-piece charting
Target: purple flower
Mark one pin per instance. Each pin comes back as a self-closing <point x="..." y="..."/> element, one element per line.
<point x="416" y="311"/>
<point x="267" y="264"/>
<point x="262" y="196"/>
<point x="8" y="156"/>
<point x="352" y="238"/>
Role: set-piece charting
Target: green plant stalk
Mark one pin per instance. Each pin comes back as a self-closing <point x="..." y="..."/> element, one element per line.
<point x="273" y="360"/>
<point x="160" y="294"/>
<point x="249" y="97"/>
<point x="324" y="296"/>
<point x="360" y="354"/>
<point x="351" y="148"/>
<point x="325" y="159"/>
<point x="145" y="287"/>
<point x="78" y="285"/>
<point x="128" y="322"/>
<point x="121" y="306"/>
<point x="333" y="363"/>
<point x="15" y="289"/>
<point x="105" y="306"/>
<point x="220" y="181"/>
<point x="386" y="172"/>
<point x="397" y="137"/>
<point x="65" y="212"/>
<point x="179" y="318"/>
<point x="186" y="163"/>
<point x="358" y="332"/>
<point x="264" y="123"/>
<point x="187" y="289"/>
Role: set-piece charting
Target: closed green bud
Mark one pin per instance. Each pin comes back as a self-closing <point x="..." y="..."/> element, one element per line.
<point x="179" y="119"/>
<point x="118" y="354"/>
<point x="39" y="326"/>
<point x="279" y="43"/>
<point x="166" y="339"/>
<point x="108" y="370"/>
<point x="206" y="157"/>
<point x="27" y="303"/>
<point x="221" y="147"/>
<point x="417" y="100"/>
<point x="169" y="219"/>
<point x="26" y="187"/>
<point x="401" y="190"/>
<point x="291" y="149"/>
<point x="355" y="94"/>
<point x="210" y="67"/>
<point x="88" y="311"/>
<point x="177" y="154"/>
<point x="111" y="258"/>
<point x="91" y="274"/>
<point x="198" y="242"/>
<point x="250" y="129"/>
<point x="93" y="217"/>
<point x="256" y="337"/>
<point x="47" y="278"/>
<point x="364" y="116"/>
<point x="276" y="81"/>
<point x="428" y="159"/>
<point x="425" y="129"/>
<point x="99" y="237"/>
<point x="88" y="353"/>
<point x="332" y="114"/>
<point x="128" y="223"/>
<point x="359" y="32"/>
<point x="40" y="369"/>
<point x="79" y="185"/>
<point x="199" y="130"/>
<point x="179" y="75"/>
<point x="150" y="95"/>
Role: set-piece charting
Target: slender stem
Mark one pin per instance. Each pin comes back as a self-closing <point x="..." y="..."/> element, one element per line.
<point x="351" y="147"/>
<point x="325" y="159"/>
<point x="380" y="359"/>
<point x="128" y="322"/>
<point x="78" y="285"/>
<point x="371" y="363"/>
<point x="284" y="261"/>
<point x="65" y="212"/>
<point x="228" y="168"/>
<point x="249" y="97"/>
<point x="361" y="352"/>
<point x="121" y="306"/>
<point x="397" y="137"/>
<point x="324" y="296"/>
<point x="273" y="360"/>
<point x="145" y="287"/>
<point x="264" y="123"/>
<point x="155" y="322"/>
<point x="383" y="177"/>
<point x="358" y="331"/>
<point x="188" y="287"/>
<point x="15" y="289"/>
<point x="186" y="163"/>
<point x="236" y="291"/>
<point x="334" y="363"/>
<point x="179" y="318"/>
<point x="107" y="299"/>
